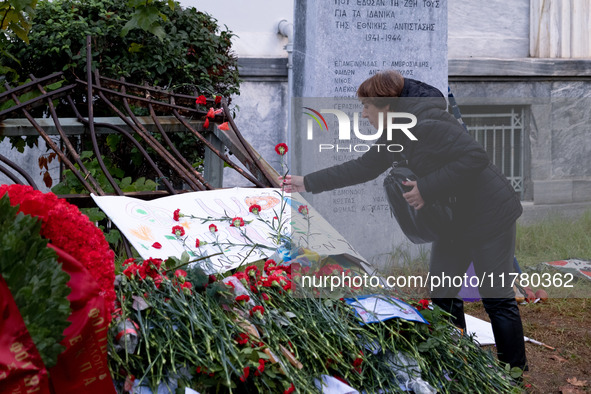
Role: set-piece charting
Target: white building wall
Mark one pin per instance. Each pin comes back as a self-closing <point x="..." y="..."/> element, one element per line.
<point x="488" y="28"/>
<point x="253" y="21"/>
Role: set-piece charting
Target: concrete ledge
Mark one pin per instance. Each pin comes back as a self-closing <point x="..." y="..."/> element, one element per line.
<point x="533" y="213"/>
<point x="553" y="192"/>
<point x="523" y="67"/>
<point x="71" y="126"/>
<point x="562" y="191"/>
<point x="263" y="68"/>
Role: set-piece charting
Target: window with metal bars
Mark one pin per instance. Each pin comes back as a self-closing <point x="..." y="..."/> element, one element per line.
<point x="501" y="131"/>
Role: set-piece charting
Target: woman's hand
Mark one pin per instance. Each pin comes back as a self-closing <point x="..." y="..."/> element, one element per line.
<point x="292" y="183"/>
<point x="413" y="197"/>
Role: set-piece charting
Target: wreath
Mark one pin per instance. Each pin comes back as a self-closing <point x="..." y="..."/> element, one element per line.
<point x="67" y="228"/>
<point x="56" y="295"/>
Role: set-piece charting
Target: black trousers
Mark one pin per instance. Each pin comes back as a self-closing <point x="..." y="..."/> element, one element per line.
<point x="493" y="263"/>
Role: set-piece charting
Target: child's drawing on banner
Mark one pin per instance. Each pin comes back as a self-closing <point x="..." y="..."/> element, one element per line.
<point x="148" y="225"/>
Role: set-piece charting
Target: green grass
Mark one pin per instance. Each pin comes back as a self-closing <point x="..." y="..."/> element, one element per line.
<point x="554" y="239"/>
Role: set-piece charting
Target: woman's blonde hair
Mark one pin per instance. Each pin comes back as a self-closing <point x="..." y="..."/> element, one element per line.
<point x="380" y="88"/>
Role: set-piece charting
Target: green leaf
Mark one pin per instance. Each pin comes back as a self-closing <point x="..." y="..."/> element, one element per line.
<point x="87" y="154"/>
<point x="515" y="372"/>
<point x="135" y="47"/>
<point x="113" y="236"/>
<point x="185" y="258"/>
<point x="94" y="214"/>
<point x="125" y="183"/>
<point x="113" y="141"/>
<point x="54" y="86"/>
<point x="158" y="31"/>
<point x="171" y="262"/>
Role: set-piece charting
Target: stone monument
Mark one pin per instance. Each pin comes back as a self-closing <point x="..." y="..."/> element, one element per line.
<point x="337" y="45"/>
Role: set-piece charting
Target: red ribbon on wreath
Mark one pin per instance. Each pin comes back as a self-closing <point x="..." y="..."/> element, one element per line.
<point x="21" y="367"/>
<point x="82" y="367"/>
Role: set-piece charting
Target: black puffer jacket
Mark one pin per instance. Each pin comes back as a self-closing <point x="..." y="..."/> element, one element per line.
<point x="449" y="163"/>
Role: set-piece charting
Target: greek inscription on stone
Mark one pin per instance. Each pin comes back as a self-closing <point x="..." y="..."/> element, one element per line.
<point x="431" y="3"/>
<point x="380" y="14"/>
<point x="374" y="3"/>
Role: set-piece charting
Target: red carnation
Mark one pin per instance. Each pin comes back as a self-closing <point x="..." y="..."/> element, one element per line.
<point x="128" y="261"/>
<point x="254" y="208"/>
<point x="218" y="99"/>
<point x="270" y="265"/>
<point x="158" y="281"/>
<point x="130" y="270"/>
<point x="260" y="368"/>
<point x="187" y="286"/>
<point x="243" y="339"/>
<point x="257" y="311"/>
<point x="357" y="362"/>
<point x="241" y="299"/>
<point x="423" y="304"/>
<point x="245" y="375"/>
<point x="179" y="231"/>
<point x="197" y="242"/>
<point x="201" y="100"/>
<point x="281" y="149"/>
<point x="242" y="277"/>
<point x="265" y="296"/>
<point x="151" y="267"/>
<point x="237" y="222"/>
<point x="213" y="228"/>
<point x="303" y="209"/>
<point x="177" y="215"/>
<point x="290" y="390"/>
<point x="178" y="273"/>
<point x="252" y="270"/>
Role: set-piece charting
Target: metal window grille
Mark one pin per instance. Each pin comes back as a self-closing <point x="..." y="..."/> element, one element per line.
<point x="502" y="136"/>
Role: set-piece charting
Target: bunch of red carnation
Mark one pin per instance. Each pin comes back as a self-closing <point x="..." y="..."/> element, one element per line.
<point x="152" y="269"/>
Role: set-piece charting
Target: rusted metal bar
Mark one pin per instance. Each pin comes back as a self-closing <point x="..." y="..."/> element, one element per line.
<point x="125" y="133"/>
<point x="253" y="156"/>
<point x="22" y="172"/>
<point x="165" y="154"/>
<point x="214" y="150"/>
<point x="137" y="130"/>
<point x="180" y="99"/>
<point x="52" y="144"/>
<point x="36" y="101"/>
<point x="145" y="101"/>
<point x="202" y="184"/>
<point x="70" y="148"/>
<point x="89" y="100"/>
<point x="9" y="174"/>
<point x="27" y="87"/>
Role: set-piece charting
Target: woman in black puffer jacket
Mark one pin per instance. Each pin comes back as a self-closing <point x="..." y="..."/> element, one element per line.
<point x="450" y="166"/>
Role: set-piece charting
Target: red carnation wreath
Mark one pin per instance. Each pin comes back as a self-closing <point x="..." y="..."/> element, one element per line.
<point x="68" y="229"/>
